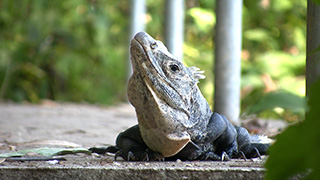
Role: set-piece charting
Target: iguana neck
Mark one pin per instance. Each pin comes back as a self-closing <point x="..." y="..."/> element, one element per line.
<point x="200" y="111"/>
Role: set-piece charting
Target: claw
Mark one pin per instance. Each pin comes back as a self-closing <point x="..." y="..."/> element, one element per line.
<point x="147" y="157"/>
<point x="160" y="157"/>
<point x="207" y="157"/>
<point x="224" y="156"/>
<point x="258" y="153"/>
<point x="117" y="154"/>
<point x="130" y="156"/>
<point x="243" y="155"/>
<point x="195" y="145"/>
<point x="211" y="156"/>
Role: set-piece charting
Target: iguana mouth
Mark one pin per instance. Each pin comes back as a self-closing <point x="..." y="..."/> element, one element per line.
<point x="145" y="52"/>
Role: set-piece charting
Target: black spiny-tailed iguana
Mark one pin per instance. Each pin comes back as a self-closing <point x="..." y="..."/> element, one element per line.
<point x="174" y="119"/>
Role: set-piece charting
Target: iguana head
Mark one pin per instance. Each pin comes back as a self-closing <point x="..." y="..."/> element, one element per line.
<point x="165" y="95"/>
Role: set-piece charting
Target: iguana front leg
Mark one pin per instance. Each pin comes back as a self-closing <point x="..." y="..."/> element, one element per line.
<point x="133" y="148"/>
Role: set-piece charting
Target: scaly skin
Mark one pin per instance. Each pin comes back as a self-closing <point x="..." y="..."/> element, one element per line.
<point x="174" y="119"/>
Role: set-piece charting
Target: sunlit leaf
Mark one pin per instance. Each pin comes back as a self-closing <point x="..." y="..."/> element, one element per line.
<point x="256" y="34"/>
<point x="279" y="64"/>
<point x="204" y="19"/>
<point x="190" y="51"/>
<point x="282" y="5"/>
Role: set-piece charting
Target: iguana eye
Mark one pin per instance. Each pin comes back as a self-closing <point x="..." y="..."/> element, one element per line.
<point x="154" y="45"/>
<point x="174" y="67"/>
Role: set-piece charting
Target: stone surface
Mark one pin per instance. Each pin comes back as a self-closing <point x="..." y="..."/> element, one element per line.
<point x="69" y="125"/>
<point x="85" y="167"/>
<point x="86" y="125"/>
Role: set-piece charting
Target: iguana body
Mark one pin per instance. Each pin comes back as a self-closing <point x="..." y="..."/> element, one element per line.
<point x="174" y="119"/>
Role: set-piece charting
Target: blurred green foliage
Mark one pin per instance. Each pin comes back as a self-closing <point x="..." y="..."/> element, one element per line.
<point x="77" y="50"/>
<point x="295" y="154"/>
<point x="63" y="50"/>
<point x="273" y="54"/>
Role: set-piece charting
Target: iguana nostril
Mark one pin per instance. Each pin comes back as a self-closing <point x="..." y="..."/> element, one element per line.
<point x="154" y="45"/>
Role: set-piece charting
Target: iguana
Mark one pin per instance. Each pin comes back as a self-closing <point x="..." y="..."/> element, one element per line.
<point x="174" y="119"/>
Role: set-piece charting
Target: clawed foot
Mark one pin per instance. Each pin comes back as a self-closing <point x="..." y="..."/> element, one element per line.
<point x="257" y="154"/>
<point x="135" y="155"/>
<point x="215" y="157"/>
<point x="146" y="155"/>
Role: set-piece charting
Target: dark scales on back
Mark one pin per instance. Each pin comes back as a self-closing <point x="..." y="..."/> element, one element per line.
<point x="174" y="119"/>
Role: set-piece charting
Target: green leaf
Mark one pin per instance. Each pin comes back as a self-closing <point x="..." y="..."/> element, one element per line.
<point x="280" y="64"/>
<point x="46" y="152"/>
<point x="11" y="154"/>
<point x="204" y="19"/>
<point x="282" y="99"/>
<point x="283" y="5"/>
<point x="296" y="150"/>
<point x="257" y="34"/>
<point x="316" y="1"/>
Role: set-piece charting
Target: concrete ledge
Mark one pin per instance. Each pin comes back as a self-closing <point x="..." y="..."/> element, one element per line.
<point x="100" y="168"/>
<point x="127" y="173"/>
<point x="90" y="126"/>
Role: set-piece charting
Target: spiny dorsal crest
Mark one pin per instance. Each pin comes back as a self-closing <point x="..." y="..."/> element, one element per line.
<point x="197" y="73"/>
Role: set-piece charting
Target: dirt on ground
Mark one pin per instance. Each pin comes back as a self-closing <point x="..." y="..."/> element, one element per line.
<point x="70" y="125"/>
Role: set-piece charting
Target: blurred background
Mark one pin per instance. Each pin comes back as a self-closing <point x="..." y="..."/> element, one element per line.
<point x="77" y="51"/>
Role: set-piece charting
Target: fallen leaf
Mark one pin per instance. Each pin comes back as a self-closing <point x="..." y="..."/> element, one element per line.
<point x="46" y="152"/>
<point x="2" y="160"/>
